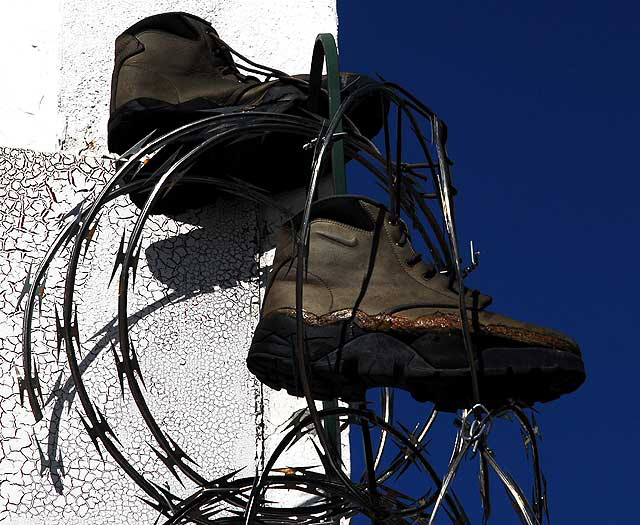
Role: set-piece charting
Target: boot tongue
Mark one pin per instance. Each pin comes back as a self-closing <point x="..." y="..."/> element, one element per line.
<point x="181" y="24"/>
<point x="184" y="26"/>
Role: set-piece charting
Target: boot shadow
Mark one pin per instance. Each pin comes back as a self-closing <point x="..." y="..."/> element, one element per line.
<point x="188" y="264"/>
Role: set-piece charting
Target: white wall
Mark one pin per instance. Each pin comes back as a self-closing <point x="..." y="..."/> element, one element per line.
<point x="30" y="60"/>
<point x="58" y="57"/>
<point x="197" y="293"/>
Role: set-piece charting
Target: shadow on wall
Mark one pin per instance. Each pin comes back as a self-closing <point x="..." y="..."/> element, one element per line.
<point x="200" y="261"/>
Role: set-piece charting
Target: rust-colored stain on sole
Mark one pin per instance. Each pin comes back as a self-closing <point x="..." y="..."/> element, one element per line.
<point x="437" y="322"/>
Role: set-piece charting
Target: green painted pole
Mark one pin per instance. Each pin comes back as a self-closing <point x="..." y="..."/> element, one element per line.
<point x="325" y="52"/>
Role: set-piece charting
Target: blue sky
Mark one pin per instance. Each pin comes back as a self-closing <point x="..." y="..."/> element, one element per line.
<point x="541" y="101"/>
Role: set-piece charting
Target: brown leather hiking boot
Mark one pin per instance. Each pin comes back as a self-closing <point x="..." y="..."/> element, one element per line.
<point x="406" y="329"/>
<point x="173" y="69"/>
<point x="167" y="67"/>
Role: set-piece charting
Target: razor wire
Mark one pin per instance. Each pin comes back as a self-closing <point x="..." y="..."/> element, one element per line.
<point x="334" y="494"/>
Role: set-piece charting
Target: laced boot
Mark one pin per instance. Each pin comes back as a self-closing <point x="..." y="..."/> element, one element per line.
<point x="172" y="69"/>
<point x="376" y="315"/>
<point x="168" y="66"/>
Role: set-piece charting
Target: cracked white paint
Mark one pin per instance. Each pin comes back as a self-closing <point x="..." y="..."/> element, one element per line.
<point x="197" y="294"/>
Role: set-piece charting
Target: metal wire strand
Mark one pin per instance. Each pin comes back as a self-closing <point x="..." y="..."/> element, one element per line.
<point x="336" y="495"/>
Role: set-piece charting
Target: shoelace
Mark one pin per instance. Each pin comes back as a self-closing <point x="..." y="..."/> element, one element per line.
<point x="416" y="257"/>
<point x="221" y="51"/>
<point x="227" y="52"/>
<point x="253" y="67"/>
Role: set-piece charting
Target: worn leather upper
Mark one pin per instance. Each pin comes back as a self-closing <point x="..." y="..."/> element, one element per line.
<point x="173" y="58"/>
<point x="339" y="256"/>
<point x="338" y="261"/>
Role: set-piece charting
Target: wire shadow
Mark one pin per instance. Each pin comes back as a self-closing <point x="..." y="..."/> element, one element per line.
<point x="188" y="270"/>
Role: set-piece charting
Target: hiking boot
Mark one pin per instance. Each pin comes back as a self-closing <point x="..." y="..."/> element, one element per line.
<point x="172" y="69"/>
<point x="167" y="67"/>
<point x="405" y="331"/>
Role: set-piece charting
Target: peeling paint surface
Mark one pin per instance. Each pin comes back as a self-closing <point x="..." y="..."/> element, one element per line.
<point x="197" y="292"/>
<point x="195" y="304"/>
<point x="191" y="318"/>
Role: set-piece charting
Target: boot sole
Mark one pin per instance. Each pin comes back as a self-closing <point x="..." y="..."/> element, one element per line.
<point x="137" y="118"/>
<point x="256" y="160"/>
<point x="375" y="359"/>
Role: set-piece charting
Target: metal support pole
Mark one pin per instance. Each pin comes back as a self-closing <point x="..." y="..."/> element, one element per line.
<point x="369" y="461"/>
<point x="325" y="52"/>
